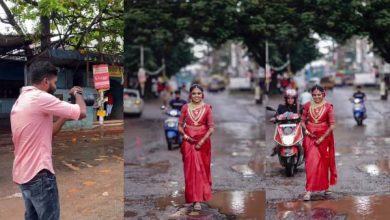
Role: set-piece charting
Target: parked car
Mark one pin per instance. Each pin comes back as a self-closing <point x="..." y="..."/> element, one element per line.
<point x="132" y="102"/>
<point x="327" y="83"/>
<point x="216" y="84"/>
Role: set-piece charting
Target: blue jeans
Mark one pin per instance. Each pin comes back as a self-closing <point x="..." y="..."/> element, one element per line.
<point x="41" y="197"/>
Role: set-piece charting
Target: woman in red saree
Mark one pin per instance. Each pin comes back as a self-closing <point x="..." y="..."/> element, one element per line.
<point x="196" y="125"/>
<point x="320" y="165"/>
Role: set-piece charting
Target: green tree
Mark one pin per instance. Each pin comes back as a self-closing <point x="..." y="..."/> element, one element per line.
<point x="376" y="16"/>
<point x="84" y="24"/>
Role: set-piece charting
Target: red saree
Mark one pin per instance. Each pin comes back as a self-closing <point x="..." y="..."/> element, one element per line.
<point x="320" y="164"/>
<point x="197" y="172"/>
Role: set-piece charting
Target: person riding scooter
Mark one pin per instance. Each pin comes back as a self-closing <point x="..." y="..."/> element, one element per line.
<point x="360" y="95"/>
<point x="177" y="102"/>
<point x="291" y="105"/>
<point x="359" y="109"/>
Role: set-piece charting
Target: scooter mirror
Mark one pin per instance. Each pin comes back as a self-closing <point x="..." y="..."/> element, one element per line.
<point x="270" y="108"/>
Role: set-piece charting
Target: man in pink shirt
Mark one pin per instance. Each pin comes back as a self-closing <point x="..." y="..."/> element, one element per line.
<point x="32" y="131"/>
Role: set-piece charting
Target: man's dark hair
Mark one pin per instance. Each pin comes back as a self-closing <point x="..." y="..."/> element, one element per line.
<point x="41" y="69"/>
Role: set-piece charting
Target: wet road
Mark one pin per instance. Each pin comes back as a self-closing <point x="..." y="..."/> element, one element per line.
<point x="89" y="171"/>
<point x="363" y="164"/>
<point x="154" y="181"/>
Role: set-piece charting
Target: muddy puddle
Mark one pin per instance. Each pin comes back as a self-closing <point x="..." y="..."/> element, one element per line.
<point x="351" y="208"/>
<point x="255" y="168"/>
<point x="223" y="205"/>
<point x="68" y="156"/>
<point x="379" y="168"/>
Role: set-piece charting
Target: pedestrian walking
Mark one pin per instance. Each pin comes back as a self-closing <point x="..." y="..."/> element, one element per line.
<point x="110" y="103"/>
<point x="196" y="125"/>
<point x="32" y="131"/>
<point x="318" y="121"/>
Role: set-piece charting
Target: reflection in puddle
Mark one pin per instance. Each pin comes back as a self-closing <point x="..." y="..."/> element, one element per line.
<point x="381" y="167"/>
<point x="254" y="168"/>
<point x="234" y="204"/>
<point x="351" y="208"/>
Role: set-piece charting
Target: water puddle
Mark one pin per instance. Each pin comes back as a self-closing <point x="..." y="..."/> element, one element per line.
<point x="351" y="208"/>
<point x="255" y="168"/>
<point x="223" y="205"/>
<point x="379" y="168"/>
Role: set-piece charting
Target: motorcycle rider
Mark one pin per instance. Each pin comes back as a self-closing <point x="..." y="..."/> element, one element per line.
<point x="360" y="95"/>
<point x="291" y="105"/>
<point x="177" y="102"/>
<point x="290" y="99"/>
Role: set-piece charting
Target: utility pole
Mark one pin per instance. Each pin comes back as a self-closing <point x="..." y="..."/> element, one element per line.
<point x="142" y="55"/>
<point x="267" y="67"/>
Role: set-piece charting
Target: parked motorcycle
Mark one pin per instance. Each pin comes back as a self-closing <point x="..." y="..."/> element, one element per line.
<point x="171" y="128"/>
<point x="359" y="111"/>
<point x="288" y="137"/>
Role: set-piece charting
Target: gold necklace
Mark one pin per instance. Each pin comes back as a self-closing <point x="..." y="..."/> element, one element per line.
<point x="196" y="118"/>
<point x="313" y="106"/>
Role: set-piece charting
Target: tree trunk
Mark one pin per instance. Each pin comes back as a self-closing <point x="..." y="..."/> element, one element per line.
<point x="45" y="32"/>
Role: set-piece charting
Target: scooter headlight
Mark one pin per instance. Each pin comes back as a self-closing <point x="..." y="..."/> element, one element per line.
<point x="288" y="140"/>
<point x="173" y="113"/>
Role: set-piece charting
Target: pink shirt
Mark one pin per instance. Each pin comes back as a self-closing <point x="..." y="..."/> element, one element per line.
<point x="32" y="131"/>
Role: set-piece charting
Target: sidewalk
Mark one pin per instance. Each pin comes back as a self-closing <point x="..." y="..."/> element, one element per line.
<point x="89" y="170"/>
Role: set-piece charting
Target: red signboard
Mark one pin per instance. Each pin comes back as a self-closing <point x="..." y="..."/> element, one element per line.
<point x="101" y="76"/>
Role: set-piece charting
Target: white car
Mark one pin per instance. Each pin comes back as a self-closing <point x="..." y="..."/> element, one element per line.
<point x="132" y="102"/>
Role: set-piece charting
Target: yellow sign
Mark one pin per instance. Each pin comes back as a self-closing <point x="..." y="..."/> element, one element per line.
<point x="115" y="71"/>
<point x="101" y="113"/>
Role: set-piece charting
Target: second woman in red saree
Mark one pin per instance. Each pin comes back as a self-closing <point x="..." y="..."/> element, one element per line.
<point x="320" y="165"/>
<point x="196" y="125"/>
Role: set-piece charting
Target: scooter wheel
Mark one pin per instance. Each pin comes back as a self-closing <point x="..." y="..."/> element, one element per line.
<point x="290" y="169"/>
<point x="170" y="144"/>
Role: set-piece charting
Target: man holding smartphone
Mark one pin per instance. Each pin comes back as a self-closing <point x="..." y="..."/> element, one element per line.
<point x="32" y="132"/>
